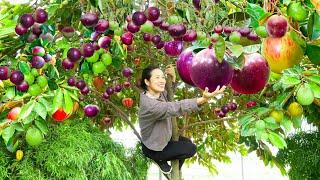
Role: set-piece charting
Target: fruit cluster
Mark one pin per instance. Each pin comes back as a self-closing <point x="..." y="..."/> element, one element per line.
<point x="80" y="84"/>
<point x="39" y="57"/>
<point x="221" y="112"/>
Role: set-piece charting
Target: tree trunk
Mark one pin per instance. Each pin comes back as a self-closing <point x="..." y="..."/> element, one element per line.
<point x="175" y="173"/>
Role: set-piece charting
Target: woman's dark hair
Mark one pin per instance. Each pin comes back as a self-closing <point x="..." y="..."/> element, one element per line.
<point x="146" y="74"/>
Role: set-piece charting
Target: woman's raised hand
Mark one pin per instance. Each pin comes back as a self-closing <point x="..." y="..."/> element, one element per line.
<point x="207" y="95"/>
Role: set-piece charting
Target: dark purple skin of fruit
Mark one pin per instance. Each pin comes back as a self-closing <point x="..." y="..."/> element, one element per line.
<point x="153" y="13"/>
<point x="104" y="42"/>
<point x="221" y="114"/>
<point x="80" y="84"/>
<point x="164" y="26"/>
<point x="147" y="36"/>
<point x="183" y="64"/>
<point x="228" y="29"/>
<point x="253" y="76"/>
<point x="196" y="4"/>
<point x="74" y="54"/>
<point x="110" y="90"/>
<point x="89" y="19"/>
<point x="156" y="39"/>
<point x="87" y="50"/>
<point x="95" y="36"/>
<point x="20" y="30"/>
<point x="26" y="20"/>
<point x="67" y="64"/>
<point x="127" y="38"/>
<point x="277" y="26"/>
<point x="253" y="36"/>
<point x="177" y="30"/>
<point x="72" y="81"/>
<point x="96" y="46"/>
<point x="206" y="71"/>
<point x="91" y="110"/>
<point x="16" y="77"/>
<point x="40" y="16"/>
<point x="4" y="73"/>
<point x="68" y="31"/>
<point x="127" y="72"/>
<point x="105" y="95"/>
<point x="244" y="31"/>
<point x="173" y="48"/>
<point x="160" y="45"/>
<point x="139" y="18"/>
<point x="102" y="26"/>
<point x="126" y="84"/>
<point x="85" y="90"/>
<point x="133" y="28"/>
<point x="218" y="29"/>
<point x="36" y="29"/>
<point x="31" y="37"/>
<point x="225" y="109"/>
<point x="37" y="62"/>
<point x="47" y="57"/>
<point x="232" y="106"/>
<point x="157" y="22"/>
<point x="23" y="87"/>
<point x="191" y="35"/>
<point x="118" y="88"/>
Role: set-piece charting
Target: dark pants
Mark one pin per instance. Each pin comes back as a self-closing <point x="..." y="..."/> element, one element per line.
<point x="174" y="150"/>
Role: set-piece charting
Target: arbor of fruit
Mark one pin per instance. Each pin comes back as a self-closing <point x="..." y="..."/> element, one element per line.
<point x="87" y="64"/>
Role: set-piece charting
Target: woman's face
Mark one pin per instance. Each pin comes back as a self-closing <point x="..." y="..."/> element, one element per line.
<point x="157" y="81"/>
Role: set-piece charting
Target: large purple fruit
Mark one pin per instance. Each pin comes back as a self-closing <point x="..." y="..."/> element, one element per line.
<point x="23" y="87"/>
<point x="36" y="29"/>
<point x="87" y="50"/>
<point x="16" y="77"/>
<point x="102" y="26"/>
<point x="80" y="84"/>
<point x="127" y="38"/>
<point x="47" y="57"/>
<point x="184" y="64"/>
<point x="67" y="64"/>
<point x="157" y="22"/>
<point x="127" y="72"/>
<point x="190" y="36"/>
<point x="139" y="18"/>
<point x="253" y="76"/>
<point x="74" y="54"/>
<point x="40" y="16"/>
<point x="277" y="26"/>
<point x="132" y="27"/>
<point x="4" y="72"/>
<point x="27" y="20"/>
<point x="72" y="81"/>
<point x="206" y="71"/>
<point x="177" y="30"/>
<point x="164" y="26"/>
<point x="89" y="19"/>
<point x="153" y="13"/>
<point x="20" y="30"/>
<point x="38" y="51"/>
<point x="104" y="42"/>
<point x="173" y="48"/>
<point x="37" y="62"/>
<point x="91" y="110"/>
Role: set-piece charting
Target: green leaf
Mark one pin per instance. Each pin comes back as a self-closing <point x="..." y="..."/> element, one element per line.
<point x="261" y="135"/>
<point x="30" y="118"/>
<point x="41" y="124"/>
<point x="41" y="110"/>
<point x="261" y="110"/>
<point x="74" y="96"/>
<point x="26" y="110"/>
<point x="236" y="50"/>
<point x="247" y="130"/>
<point x="24" y="67"/>
<point x="7" y="133"/>
<point x="297" y="121"/>
<point x="245" y="120"/>
<point x="10" y="92"/>
<point x="52" y="72"/>
<point x="286" y="2"/>
<point x="220" y="48"/>
<point x="46" y="104"/>
<point x="188" y="15"/>
<point x="277" y="140"/>
<point x="295" y="36"/>
<point x="251" y="48"/>
<point x="52" y="84"/>
<point x="315" y="88"/>
<point x="17" y="126"/>
<point x="313" y="52"/>
<point x="271" y="123"/>
<point x="255" y="12"/>
<point x="289" y="81"/>
<point x="85" y="68"/>
<point x="287" y="124"/>
<point x="68" y="104"/>
<point x="314" y="26"/>
<point x="57" y="100"/>
<point x="315" y="79"/>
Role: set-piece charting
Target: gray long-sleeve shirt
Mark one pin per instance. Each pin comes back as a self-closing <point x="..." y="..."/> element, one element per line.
<point x="155" y="118"/>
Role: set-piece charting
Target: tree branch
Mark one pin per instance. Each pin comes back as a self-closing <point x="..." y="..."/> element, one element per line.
<point x="204" y="122"/>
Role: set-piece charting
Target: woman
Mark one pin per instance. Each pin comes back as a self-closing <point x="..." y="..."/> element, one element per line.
<point x="155" y="119"/>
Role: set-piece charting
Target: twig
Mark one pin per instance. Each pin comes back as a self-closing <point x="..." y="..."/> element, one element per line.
<point x="205" y="122"/>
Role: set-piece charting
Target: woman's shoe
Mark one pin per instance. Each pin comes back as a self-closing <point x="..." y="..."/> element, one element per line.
<point x="164" y="167"/>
